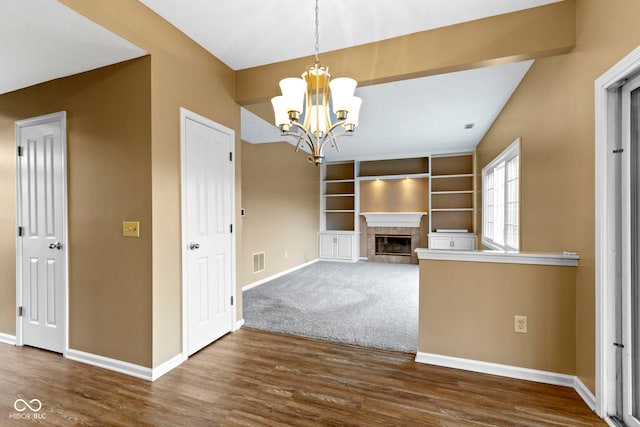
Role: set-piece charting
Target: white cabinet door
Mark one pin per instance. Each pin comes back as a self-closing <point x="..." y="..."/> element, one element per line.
<point x="327" y="246"/>
<point x="463" y="243"/>
<point x="440" y="243"/>
<point x="344" y="247"/>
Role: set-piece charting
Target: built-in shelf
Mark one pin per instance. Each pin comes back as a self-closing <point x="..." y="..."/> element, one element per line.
<point x="458" y="175"/>
<point x="388" y="177"/>
<point x="453" y="192"/>
<point x="453" y="210"/>
<point x="329" y="181"/>
<point x="339" y="210"/>
<point x="339" y="195"/>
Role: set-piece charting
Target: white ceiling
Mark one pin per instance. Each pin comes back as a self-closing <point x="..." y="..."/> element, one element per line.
<point x="42" y="40"/>
<point x="417" y="117"/>
<point x="248" y="33"/>
<point x="400" y="119"/>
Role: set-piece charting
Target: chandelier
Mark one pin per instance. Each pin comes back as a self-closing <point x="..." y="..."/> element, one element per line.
<point x="309" y="100"/>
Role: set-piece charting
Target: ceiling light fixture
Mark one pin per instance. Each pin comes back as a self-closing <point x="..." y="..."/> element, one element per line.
<point x="315" y="91"/>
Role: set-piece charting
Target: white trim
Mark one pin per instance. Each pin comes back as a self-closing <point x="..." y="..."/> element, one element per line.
<point x="239" y="324"/>
<point x="567" y="259"/>
<point x="60" y="116"/>
<point x="393" y="219"/>
<point x="512" y="151"/>
<point x="7" y="339"/>
<point x="167" y="366"/>
<point x="184" y="114"/>
<point x="606" y="100"/>
<point x="509" y="371"/>
<point x="110" y="364"/>
<point x="584" y="393"/>
<point x="496" y="369"/>
<point x="126" y="368"/>
<point x="275" y="276"/>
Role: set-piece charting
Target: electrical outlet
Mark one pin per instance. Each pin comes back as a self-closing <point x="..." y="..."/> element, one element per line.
<point x="520" y="324"/>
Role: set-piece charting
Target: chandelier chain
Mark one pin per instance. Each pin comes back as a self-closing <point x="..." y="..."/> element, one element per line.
<point x="317" y="32"/>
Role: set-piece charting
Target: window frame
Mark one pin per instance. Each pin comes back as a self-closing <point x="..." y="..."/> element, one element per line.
<point x="508" y="154"/>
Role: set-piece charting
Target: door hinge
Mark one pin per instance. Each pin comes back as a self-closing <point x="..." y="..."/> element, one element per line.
<point x="618" y="150"/>
<point x="231" y="228"/>
<point x="20" y="151"/>
<point x="20" y="311"/>
<point x="230" y="156"/>
<point x="20" y="231"/>
<point x="231" y="300"/>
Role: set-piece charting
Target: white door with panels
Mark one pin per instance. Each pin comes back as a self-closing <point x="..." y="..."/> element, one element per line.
<point x="42" y="241"/>
<point x="207" y="216"/>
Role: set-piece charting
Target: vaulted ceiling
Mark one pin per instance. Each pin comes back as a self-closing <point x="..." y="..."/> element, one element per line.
<point x="43" y="40"/>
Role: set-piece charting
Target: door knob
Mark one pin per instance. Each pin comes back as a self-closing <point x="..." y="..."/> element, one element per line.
<point x="194" y="246"/>
<point x="56" y="245"/>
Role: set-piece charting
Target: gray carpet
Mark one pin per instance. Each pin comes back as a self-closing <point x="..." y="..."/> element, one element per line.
<point x="368" y="304"/>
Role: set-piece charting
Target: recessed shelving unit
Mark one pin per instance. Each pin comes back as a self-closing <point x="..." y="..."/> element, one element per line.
<point x="452" y="193"/>
<point x="338" y="200"/>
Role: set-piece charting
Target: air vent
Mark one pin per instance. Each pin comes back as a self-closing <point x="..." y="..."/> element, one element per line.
<point x="469" y="125"/>
<point x="258" y="262"/>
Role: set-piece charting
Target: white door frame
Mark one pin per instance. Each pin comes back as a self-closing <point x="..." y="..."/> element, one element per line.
<point x="186" y="114"/>
<point x="62" y="117"/>
<point x="607" y="109"/>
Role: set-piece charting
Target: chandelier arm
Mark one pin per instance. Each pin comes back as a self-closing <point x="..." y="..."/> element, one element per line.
<point x="304" y="135"/>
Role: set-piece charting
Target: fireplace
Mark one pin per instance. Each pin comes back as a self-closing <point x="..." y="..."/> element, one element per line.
<point x="397" y="245"/>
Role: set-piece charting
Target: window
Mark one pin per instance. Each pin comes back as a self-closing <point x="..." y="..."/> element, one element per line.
<point x="500" y="200"/>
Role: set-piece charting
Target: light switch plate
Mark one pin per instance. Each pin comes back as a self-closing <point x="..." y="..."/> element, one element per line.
<point x="131" y="229"/>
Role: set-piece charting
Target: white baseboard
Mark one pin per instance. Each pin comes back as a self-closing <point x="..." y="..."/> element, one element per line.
<point x="167" y="366"/>
<point x="126" y="368"/>
<point x="111" y="364"/>
<point x="275" y="276"/>
<point x="7" y="339"/>
<point x="497" y="369"/>
<point x="511" y="372"/>
<point x="238" y="324"/>
<point x="585" y="393"/>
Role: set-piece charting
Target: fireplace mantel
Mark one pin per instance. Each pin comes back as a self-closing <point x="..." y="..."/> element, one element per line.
<point x="393" y="219"/>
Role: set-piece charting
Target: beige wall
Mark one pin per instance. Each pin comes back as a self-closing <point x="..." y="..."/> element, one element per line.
<point x="109" y="180"/>
<point x="553" y="112"/>
<point x="183" y="74"/>
<point x="281" y="195"/>
<point x="394" y="195"/>
<point x="470" y="314"/>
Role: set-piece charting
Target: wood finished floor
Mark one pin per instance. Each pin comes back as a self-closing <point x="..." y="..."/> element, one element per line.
<point x="254" y="378"/>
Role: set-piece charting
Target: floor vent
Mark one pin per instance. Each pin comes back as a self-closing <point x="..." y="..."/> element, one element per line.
<point x="258" y="262"/>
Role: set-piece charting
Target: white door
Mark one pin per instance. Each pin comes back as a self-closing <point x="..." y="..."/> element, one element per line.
<point x="629" y="385"/>
<point x="208" y="186"/>
<point x="42" y="248"/>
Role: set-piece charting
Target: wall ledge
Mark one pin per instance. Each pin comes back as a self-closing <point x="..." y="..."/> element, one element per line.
<point x="568" y="259"/>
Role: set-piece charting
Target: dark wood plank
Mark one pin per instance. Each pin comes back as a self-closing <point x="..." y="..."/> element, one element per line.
<point x="254" y="378"/>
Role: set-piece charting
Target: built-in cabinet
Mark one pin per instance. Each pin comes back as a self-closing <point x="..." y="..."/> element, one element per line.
<point x="337" y="246"/>
<point x="452" y="241"/>
<point x="443" y="186"/>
